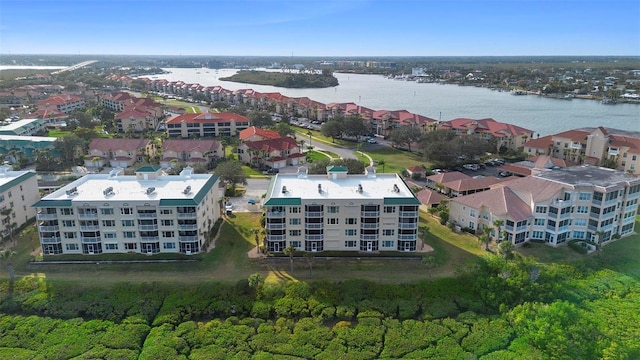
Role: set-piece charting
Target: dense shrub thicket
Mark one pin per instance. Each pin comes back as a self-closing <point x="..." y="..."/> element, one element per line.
<point x="496" y="309"/>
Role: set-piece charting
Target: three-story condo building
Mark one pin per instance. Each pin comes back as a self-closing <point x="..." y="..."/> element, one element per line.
<point x="367" y="213"/>
<point x="143" y="213"/>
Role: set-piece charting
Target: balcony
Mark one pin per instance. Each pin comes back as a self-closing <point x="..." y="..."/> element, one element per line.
<point x="88" y="216"/>
<point x="187" y="215"/>
<point x="149" y="238"/>
<point x="369" y="225"/>
<point x="276" y="237"/>
<point x="185" y="227"/>
<point x="311" y="214"/>
<point x="275" y="226"/>
<point x="153" y="227"/>
<point x="50" y="240"/>
<point x="46" y="216"/>
<point x="48" y="228"/>
<point x="314" y="237"/>
<point x="613" y="152"/>
<point x="369" y="237"/>
<point x="90" y="239"/>
<point x="89" y="227"/>
<point x="187" y="238"/>
<point x="370" y="213"/>
<point x="313" y="225"/>
<point x="408" y="225"/>
<point x="409" y="214"/>
<point x="575" y="145"/>
<point x="276" y="214"/>
<point x="147" y="215"/>
<point x="408" y="237"/>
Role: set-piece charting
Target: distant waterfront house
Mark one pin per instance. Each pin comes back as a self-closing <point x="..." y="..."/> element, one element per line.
<point x="24" y="127"/>
<point x="189" y="151"/>
<point x="253" y="133"/>
<point x="510" y="136"/>
<point x="417" y="171"/>
<point x="206" y="124"/>
<point x="556" y="206"/>
<point x="275" y="153"/>
<point x="117" y="152"/>
<point x="385" y="121"/>
<point x="13" y="147"/>
<point x="63" y="103"/>
<point x="597" y="146"/>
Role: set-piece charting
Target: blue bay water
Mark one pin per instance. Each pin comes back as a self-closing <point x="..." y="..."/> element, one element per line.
<point x="443" y="102"/>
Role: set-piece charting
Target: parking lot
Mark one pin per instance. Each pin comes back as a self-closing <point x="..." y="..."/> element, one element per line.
<point x="255" y="189"/>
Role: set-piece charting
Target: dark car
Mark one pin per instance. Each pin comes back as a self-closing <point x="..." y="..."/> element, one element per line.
<point x="273" y="171"/>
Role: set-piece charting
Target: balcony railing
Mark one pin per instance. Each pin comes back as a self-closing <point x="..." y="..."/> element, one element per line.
<point x="411" y="214"/>
<point x="90" y="239"/>
<point x="149" y="238"/>
<point x="48" y="228"/>
<point x="88" y="216"/>
<point x="147" y="215"/>
<point x="45" y="216"/>
<point x="313" y="237"/>
<point x="614" y="152"/>
<point x="408" y="237"/>
<point x="89" y="227"/>
<point x="276" y="214"/>
<point x="276" y="237"/>
<point x="369" y="237"/>
<point x="50" y="240"/>
<point x="187" y="215"/>
<point x="187" y="238"/>
<point x="314" y="213"/>
<point x="369" y="225"/>
<point x="151" y="227"/>
<point x="275" y="226"/>
<point x="313" y="225"/>
<point x="187" y="227"/>
<point x="370" y="213"/>
<point x="407" y="225"/>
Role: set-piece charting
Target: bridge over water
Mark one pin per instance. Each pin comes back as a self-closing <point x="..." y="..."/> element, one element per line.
<point x="76" y="66"/>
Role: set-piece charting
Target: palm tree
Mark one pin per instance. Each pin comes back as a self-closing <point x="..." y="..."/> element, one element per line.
<point x="309" y="133"/>
<point x="485" y="238"/>
<point x="256" y="238"/>
<point x="505" y="249"/>
<point x="5" y="255"/>
<point x="599" y="239"/>
<point x="498" y="224"/>
<point x="6" y="219"/>
<point x="290" y="251"/>
<point x="424" y="230"/>
<point x="309" y="257"/>
<point x="382" y="163"/>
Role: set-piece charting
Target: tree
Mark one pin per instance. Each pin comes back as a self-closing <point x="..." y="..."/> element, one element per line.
<point x="599" y="240"/>
<point x="505" y="248"/>
<point x="5" y="255"/>
<point x="69" y="146"/>
<point x="231" y="173"/>
<point x="256" y="282"/>
<point x="285" y="129"/>
<point x="309" y="257"/>
<point x="382" y="163"/>
<point x="498" y="224"/>
<point x="424" y="230"/>
<point x="404" y="135"/>
<point x="256" y="238"/>
<point x="429" y="262"/>
<point x="290" y="252"/>
<point x="7" y="215"/>
<point x="309" y="133"/>
<point x="354" y="125"/>
<point x="261" y="119"/>
<point x="333" y="129"/>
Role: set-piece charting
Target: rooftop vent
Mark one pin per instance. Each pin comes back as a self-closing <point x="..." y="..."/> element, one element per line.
<point x="72" y="191"/>
<point x="187" y="190"/>
<point x="320" y="188"/>
<point x="108" y="191"/>
<point x="150" y="190"/>
<point x="284" y="189"/>
<point x="396" y="188"/>
<point x="360" y="188"/>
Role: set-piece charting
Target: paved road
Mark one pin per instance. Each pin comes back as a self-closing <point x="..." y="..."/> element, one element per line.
<point x="255" y="189"/>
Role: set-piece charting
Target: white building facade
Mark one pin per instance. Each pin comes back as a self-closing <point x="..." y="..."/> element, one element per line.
<point x="144" y="213"/>
<point x="341" y="212"/>
<point x="18" y="192"/>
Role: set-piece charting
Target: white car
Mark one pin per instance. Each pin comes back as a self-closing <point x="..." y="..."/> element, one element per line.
<point x="372" y="141"/>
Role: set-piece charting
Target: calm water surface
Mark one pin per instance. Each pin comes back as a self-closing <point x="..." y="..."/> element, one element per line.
<point x="443" y="102"/>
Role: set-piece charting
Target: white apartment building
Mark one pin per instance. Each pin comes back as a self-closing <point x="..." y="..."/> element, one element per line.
<point x="143" y="213"/>
<point x="18" y="191"/>
<point x="555" y="206"/>
<point x="337" y="211"/>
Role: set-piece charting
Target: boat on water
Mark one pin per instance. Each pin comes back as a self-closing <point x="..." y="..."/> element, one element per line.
<point x="609" y="101"/>
<point x="517" y="92"/>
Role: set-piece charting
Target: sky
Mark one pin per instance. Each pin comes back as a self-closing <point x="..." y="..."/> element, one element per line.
<point x="321" y="28"/>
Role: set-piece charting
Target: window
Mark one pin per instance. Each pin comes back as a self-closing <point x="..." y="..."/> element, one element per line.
<point x="68" y="223"/>
<point x="333" y="221"/>
<point x="585" y="196"/>
<point x="580" y="222"/>
<point x="597" y="196"/>
<point x="333" y="209"/>
<point x="537" y="235"/>
<point x="472" y="225"/>
<point x="295" y="232"/>
<point x="583" y="209"/>
<point x="351" y="221"/>
<point x="350" y="244"/>
<point x="129" y="234"/>
<point x="168" y="245"/>
<point x="294" y="221"/>
<point x="128" y="223"/>
<point x="66" y="211"/>
<point x="388" y="243"/>
<point x="71" y="247"/>
<point x="108" y="223"/>
<point x="166" y="212"/>
<point x="167" y="234"/>
<point x="106" y="211"/>
<point x="389" y="209"/>
<point x="351" y="232"/>
<point x="166" y="222"/>
<point x="538" y="222"/>
<point x="541" y="209"/>
<point x="9" y="193"/>
<point x="388" y="232"/>
<point x="634" y="157"/>
<point x="579" y="234"/>
<point x="472" y="213"/>
<point x="295" y="243"/>
<point x="130" y="246"/>
<point x="294" y="210"/>
<point x="69" y="235"/>
<point x="126" y="211"/>
<point x="111" y="246"/>
<point x="109" y="235"/>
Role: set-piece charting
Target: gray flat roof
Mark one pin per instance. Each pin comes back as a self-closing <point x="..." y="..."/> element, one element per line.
<point x="587" y="175"/>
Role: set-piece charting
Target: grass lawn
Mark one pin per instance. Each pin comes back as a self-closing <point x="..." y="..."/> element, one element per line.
<point x="395" y="160"/>
<point x="192" y="110"/>
<point x="317" y="136"/>
<point x="253" y="173"/>
<point x="313" y="156"/>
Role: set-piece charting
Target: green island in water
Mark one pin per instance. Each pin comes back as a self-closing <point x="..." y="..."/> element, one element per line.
<point x="286" y="80"/>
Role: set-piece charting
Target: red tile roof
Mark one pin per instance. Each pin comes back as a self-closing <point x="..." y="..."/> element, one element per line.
<point x="190" y="145"/>
<point x="429" y="197"/>
<point x="252" y="130"/>
<point x="269" y="145"/>
<point x="500" y="201"/>
<point x="447" y="176"/>
<point x="490" y="126"/>
<point x="132" y="145"/>
<point x="472" y="183"/>
<point x="543" y="143"/>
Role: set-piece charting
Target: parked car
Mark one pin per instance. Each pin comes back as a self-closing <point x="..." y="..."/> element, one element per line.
<point x="372" y="141"/>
